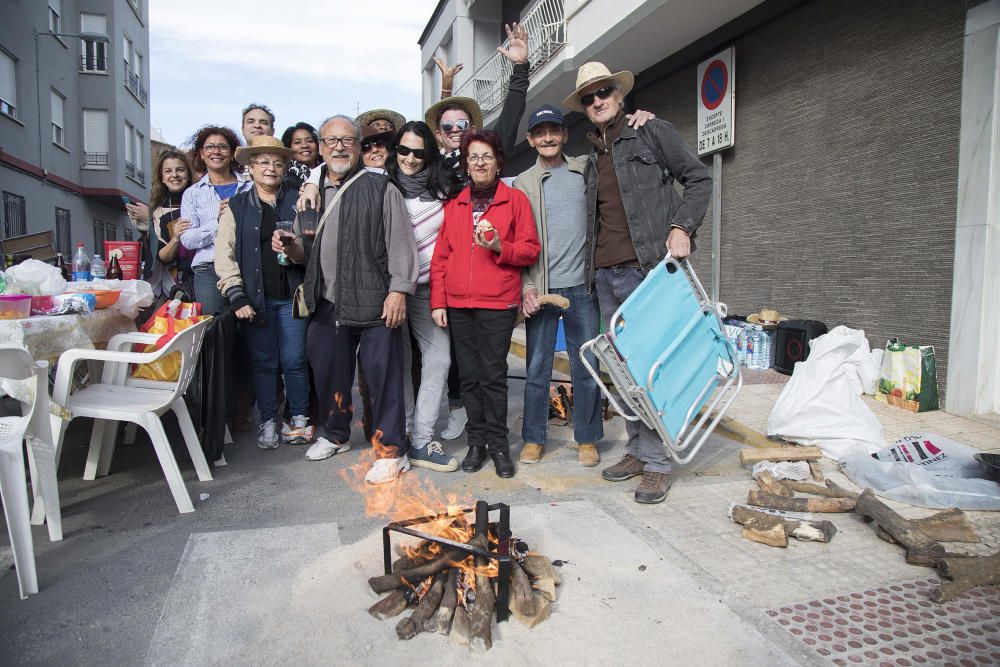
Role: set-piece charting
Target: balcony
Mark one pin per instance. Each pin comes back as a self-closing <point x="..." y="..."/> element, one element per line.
<point x="129" y="169"/>
<point x="95" y="160"/>
<point x="546" y="26"/>
<point x="140" y="176"/>
<point x="135" y="87"/>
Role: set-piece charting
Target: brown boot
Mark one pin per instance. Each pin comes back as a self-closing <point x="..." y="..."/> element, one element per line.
<point x="531" y="453"/>
<point x="653" y="488"/>
<point x="627" y="468"/>
<point x="587" y="454"/>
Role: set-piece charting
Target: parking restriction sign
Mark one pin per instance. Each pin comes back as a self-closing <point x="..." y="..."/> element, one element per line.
<point x="716" y="107"/>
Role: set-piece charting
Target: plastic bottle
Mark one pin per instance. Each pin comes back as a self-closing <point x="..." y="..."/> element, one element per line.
<point x="741" y="348"/>
<point x="81" y="264"/>
<point x="98" y="269"/>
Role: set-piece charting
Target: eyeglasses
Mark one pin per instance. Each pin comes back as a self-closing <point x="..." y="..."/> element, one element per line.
<point x="451" y="126"/>
<point x="418" y="153"/>
<point x="222" y="148"/>
<point x="269" y="164"/>
<point x="485" y="159"/>
<point x="374" y="143"/>
<point x="331" y="142"/>
<point x="603" y="93"/>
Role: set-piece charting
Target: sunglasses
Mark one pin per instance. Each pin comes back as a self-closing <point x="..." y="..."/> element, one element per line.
<point x="418" y="153"/>
<point x="603" y="93"/>
<point x="374" y="143"/>
<point x="450" y="126"/>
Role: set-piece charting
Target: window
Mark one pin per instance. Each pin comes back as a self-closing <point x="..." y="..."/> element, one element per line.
<point x="103" y="231"/>
<point x="15" y="218"/>
<point x="129" y="141"/>
<point x="128" y="53"/>
<point x="63" y="233"/>
<point x="58" y="124"/>
<point x="138" y="146"/>
<point x="93" y="54"/>
<point x="8" y="85"/>
<point x="55" y="18"/>
<point x="95" y="138"/>
<point x="127" y="233"/>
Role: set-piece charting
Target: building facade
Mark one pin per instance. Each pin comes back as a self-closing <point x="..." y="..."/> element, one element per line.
<point x="74" y="118"/>
<point x="863" y="185"/>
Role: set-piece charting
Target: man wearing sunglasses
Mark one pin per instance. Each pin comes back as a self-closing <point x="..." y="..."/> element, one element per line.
<point x="634" y="217"/>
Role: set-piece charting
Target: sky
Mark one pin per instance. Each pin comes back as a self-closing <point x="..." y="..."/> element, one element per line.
<point x="306" y="60"/>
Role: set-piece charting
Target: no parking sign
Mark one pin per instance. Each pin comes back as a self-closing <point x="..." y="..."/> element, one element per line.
<point x="716" y="107"/>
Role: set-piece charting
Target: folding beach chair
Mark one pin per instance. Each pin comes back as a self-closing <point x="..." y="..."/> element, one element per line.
<point x="665" y="352"/>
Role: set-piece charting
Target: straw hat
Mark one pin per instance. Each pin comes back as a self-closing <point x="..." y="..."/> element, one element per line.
<point x="397" y="120"/>
<point x="766" y="317"/>
<point x="264" y="144"/>
<point x="369" y="132"/>
<point x="591" y="73"/>
<point x="433" y="115"/>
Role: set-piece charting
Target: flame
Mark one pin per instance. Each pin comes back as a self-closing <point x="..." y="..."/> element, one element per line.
<point x="556" y="403"/>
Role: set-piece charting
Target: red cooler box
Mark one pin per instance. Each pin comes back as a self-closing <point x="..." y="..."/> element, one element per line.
<point x="127" y="251"/>
<point x="130" y="270"/>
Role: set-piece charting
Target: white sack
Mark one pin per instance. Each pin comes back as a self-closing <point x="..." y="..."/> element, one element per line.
<point x="37" y="278"/>
<point x="927" y="470"/>
<point x="821" y="405"/>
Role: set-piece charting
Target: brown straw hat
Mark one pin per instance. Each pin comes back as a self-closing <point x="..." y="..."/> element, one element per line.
<point x="264" y="144"/>
<point x="591" y="73"/>
<point x="397" y="120"/>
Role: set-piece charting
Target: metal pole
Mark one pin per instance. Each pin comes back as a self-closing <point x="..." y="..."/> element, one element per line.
<point x="716" y="224"/>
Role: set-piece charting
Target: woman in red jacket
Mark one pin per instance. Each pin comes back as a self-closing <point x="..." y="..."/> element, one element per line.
<point x="487" y="237"/>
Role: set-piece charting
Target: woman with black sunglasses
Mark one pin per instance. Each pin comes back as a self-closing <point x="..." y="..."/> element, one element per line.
<point x="375" y="147"/>
<point x="416" y="167"/>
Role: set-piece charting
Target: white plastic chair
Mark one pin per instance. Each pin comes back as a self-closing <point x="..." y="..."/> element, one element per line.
<point x="116" y="399"/>
<point x="33" y="426"/>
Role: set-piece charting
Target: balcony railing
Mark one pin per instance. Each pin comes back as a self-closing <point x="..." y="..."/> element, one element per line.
<point x="546" y="26"/>
<point x="129" y="169"/>
<point x="133" y="84"/>
<point x="97" y="63"/>
<point x="95" y="159"/>
<point x="140" y="176"/>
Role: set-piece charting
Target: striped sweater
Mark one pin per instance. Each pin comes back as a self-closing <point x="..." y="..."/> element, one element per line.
<point x="426" y="218"/>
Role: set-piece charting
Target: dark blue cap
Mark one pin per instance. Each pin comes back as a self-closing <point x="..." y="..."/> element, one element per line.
<point x="545" y="114"/>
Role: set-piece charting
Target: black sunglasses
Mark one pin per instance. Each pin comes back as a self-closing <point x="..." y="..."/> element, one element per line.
<point x="418" y="153"/>
<point x="449" y="126"/>
<point x="603" y="93"/>
<point x="367" y="145"/>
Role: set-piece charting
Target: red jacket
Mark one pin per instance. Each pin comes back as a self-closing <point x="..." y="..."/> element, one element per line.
<point x="465" y="275"/>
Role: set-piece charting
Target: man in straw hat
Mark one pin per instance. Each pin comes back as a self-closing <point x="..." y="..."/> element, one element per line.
<point x="381" y="120"/>
<point x="634" y="217"/>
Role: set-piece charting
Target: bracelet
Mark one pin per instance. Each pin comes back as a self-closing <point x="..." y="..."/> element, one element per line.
<point x="446" y="90"/>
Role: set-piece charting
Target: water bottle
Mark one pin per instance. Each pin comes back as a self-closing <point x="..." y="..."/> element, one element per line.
<point x="98" y="269"/>
<point x="741" y="347"/>
<point x="81" y="264"/>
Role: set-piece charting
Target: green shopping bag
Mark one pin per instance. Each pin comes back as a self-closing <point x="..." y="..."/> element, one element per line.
<point x="908" y="378"/>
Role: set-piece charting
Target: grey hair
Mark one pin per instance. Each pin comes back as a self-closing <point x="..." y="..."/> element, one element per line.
<point x="251" y="107"/>
<point x="340" y="116"/>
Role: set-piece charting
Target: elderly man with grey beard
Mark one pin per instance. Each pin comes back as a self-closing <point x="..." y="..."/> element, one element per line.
<point x="360" y="266"/>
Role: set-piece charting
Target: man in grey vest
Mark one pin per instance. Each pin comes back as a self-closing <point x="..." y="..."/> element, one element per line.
<point x="360" y="266"/>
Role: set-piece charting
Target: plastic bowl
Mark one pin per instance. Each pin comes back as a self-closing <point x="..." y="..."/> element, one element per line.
<point x="41" y="305"/>
<point x="990" y="463"/>
<point x="14" y="306"/>
<point x="105" y="297"/>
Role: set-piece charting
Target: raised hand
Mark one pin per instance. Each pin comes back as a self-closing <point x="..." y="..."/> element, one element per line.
<point x="517" y="46"/>
<point x="447" y="73"/>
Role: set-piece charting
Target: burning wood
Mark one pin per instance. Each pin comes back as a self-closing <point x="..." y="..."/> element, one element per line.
<point x="560" y="404"/>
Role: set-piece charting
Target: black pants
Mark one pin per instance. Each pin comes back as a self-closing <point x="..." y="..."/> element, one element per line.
<point x="482" y="340"/>
<point x="333" y="352"/>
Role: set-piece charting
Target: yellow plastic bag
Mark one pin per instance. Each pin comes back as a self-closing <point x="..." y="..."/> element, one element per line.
<point x="168" y="368"/>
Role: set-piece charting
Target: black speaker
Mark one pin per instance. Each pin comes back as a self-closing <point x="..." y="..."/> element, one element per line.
<point x="792" y="342"/>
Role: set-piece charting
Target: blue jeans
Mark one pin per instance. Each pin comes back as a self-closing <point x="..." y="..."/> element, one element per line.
<point x="582" y="323"/>
<point x="614" y="285"/>
<point x="206" y="290"/>
<point x="274" y="336"/>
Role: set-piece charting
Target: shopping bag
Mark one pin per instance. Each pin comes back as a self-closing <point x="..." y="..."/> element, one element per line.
<point x="908" y="378"/>
<point x="170" y="319"/>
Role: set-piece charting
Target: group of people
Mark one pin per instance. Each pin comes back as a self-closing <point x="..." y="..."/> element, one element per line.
<point x="393" y="250"/>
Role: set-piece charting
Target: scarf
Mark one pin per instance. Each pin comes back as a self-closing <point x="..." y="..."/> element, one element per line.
<point x="482" y="198"/>
<point x="415" y="187"/>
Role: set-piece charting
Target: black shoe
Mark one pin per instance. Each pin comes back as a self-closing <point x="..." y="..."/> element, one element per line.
<point x="474" y="460"/>
<point x="503" y="464"/>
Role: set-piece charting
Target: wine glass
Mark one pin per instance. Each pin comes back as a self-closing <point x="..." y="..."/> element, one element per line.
<point x="287" y="235"/>
<point x="308" y="220"/>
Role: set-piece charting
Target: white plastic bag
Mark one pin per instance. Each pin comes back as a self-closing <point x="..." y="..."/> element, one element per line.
<point x="135" y="294"/>
<point x="821" y="405"/>
<point x="927" y="470"/>
<point x="37" y="278"/>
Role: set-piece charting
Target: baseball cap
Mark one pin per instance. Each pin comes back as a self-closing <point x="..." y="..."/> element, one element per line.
<point x="545" y="114"/>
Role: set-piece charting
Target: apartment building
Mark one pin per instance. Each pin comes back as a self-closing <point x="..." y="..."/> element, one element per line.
<point x="74" y="118"/>
<point x="862" y="188"/>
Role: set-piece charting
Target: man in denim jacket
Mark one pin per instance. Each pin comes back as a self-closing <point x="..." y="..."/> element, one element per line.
<point x="634" y="216"/>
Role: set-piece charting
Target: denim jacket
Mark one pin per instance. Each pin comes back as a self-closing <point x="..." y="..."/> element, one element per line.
<point x="647" y="161"/>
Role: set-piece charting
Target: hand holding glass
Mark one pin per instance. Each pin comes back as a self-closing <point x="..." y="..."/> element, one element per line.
<point x="308" y="219"/>
<point x="284" y="228"/>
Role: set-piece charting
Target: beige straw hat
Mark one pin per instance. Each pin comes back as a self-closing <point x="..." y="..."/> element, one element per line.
<point x="433" y="115"/>
<point x="263" y="144"/>
<point x="766" y="317"/>
<point x="591" y="73"/>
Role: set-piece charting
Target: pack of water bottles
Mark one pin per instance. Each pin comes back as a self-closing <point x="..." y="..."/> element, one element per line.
<point x="753" y="343"/>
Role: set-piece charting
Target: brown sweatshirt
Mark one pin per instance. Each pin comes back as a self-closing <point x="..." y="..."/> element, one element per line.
<point x="614" y="241"/>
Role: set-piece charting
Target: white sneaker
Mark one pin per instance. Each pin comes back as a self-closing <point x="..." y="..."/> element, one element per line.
<point x="324" y="449"/>
<point x="299" y="432"/>
<point x="266" y="437"/>
<point x="457" y="419"/>
<point x="387" y="470"/>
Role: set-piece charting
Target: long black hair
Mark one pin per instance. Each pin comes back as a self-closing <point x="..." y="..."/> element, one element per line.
<point x="441" y="180"/>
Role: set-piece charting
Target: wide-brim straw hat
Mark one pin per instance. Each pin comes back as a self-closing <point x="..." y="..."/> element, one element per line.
<point x="767" y="317"/>
<point x="369" y="132"/>
<point x="433" y="114"/>
<point x="591" y="73"/>
<point x="368" y="117"/>
<point x="260" y="145"/>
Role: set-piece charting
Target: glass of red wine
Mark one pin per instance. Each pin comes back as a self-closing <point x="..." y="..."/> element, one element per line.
<point x="308" y="220"/>
<point x="287" y="235"/>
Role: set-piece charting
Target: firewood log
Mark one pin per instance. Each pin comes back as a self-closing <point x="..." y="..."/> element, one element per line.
<point x="387" y="582"/>
<point x="522" y="595"/>
<point x="440" y="622"/>
<point x="946" y="526"/>
<point x="771" y="501"/>
<point x="481" y="615"/>
<point x="920" y="548"/>
<point x="410" y="627"/>
<point x="831" y="490"/>
<point x="806" y="531"/>
<point x="556" y="300"/>
<point x="774" y="536"/>
<point x="769" y="484"/>
<point x="960" y="574"/>
<point x="816" y="473"/>
<point x="460" y="629"/>
<point x="542" y="610"/>
<point x="391" y="605"/>
<point x="545" y="576"/>
<point x="754" y="455"/>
